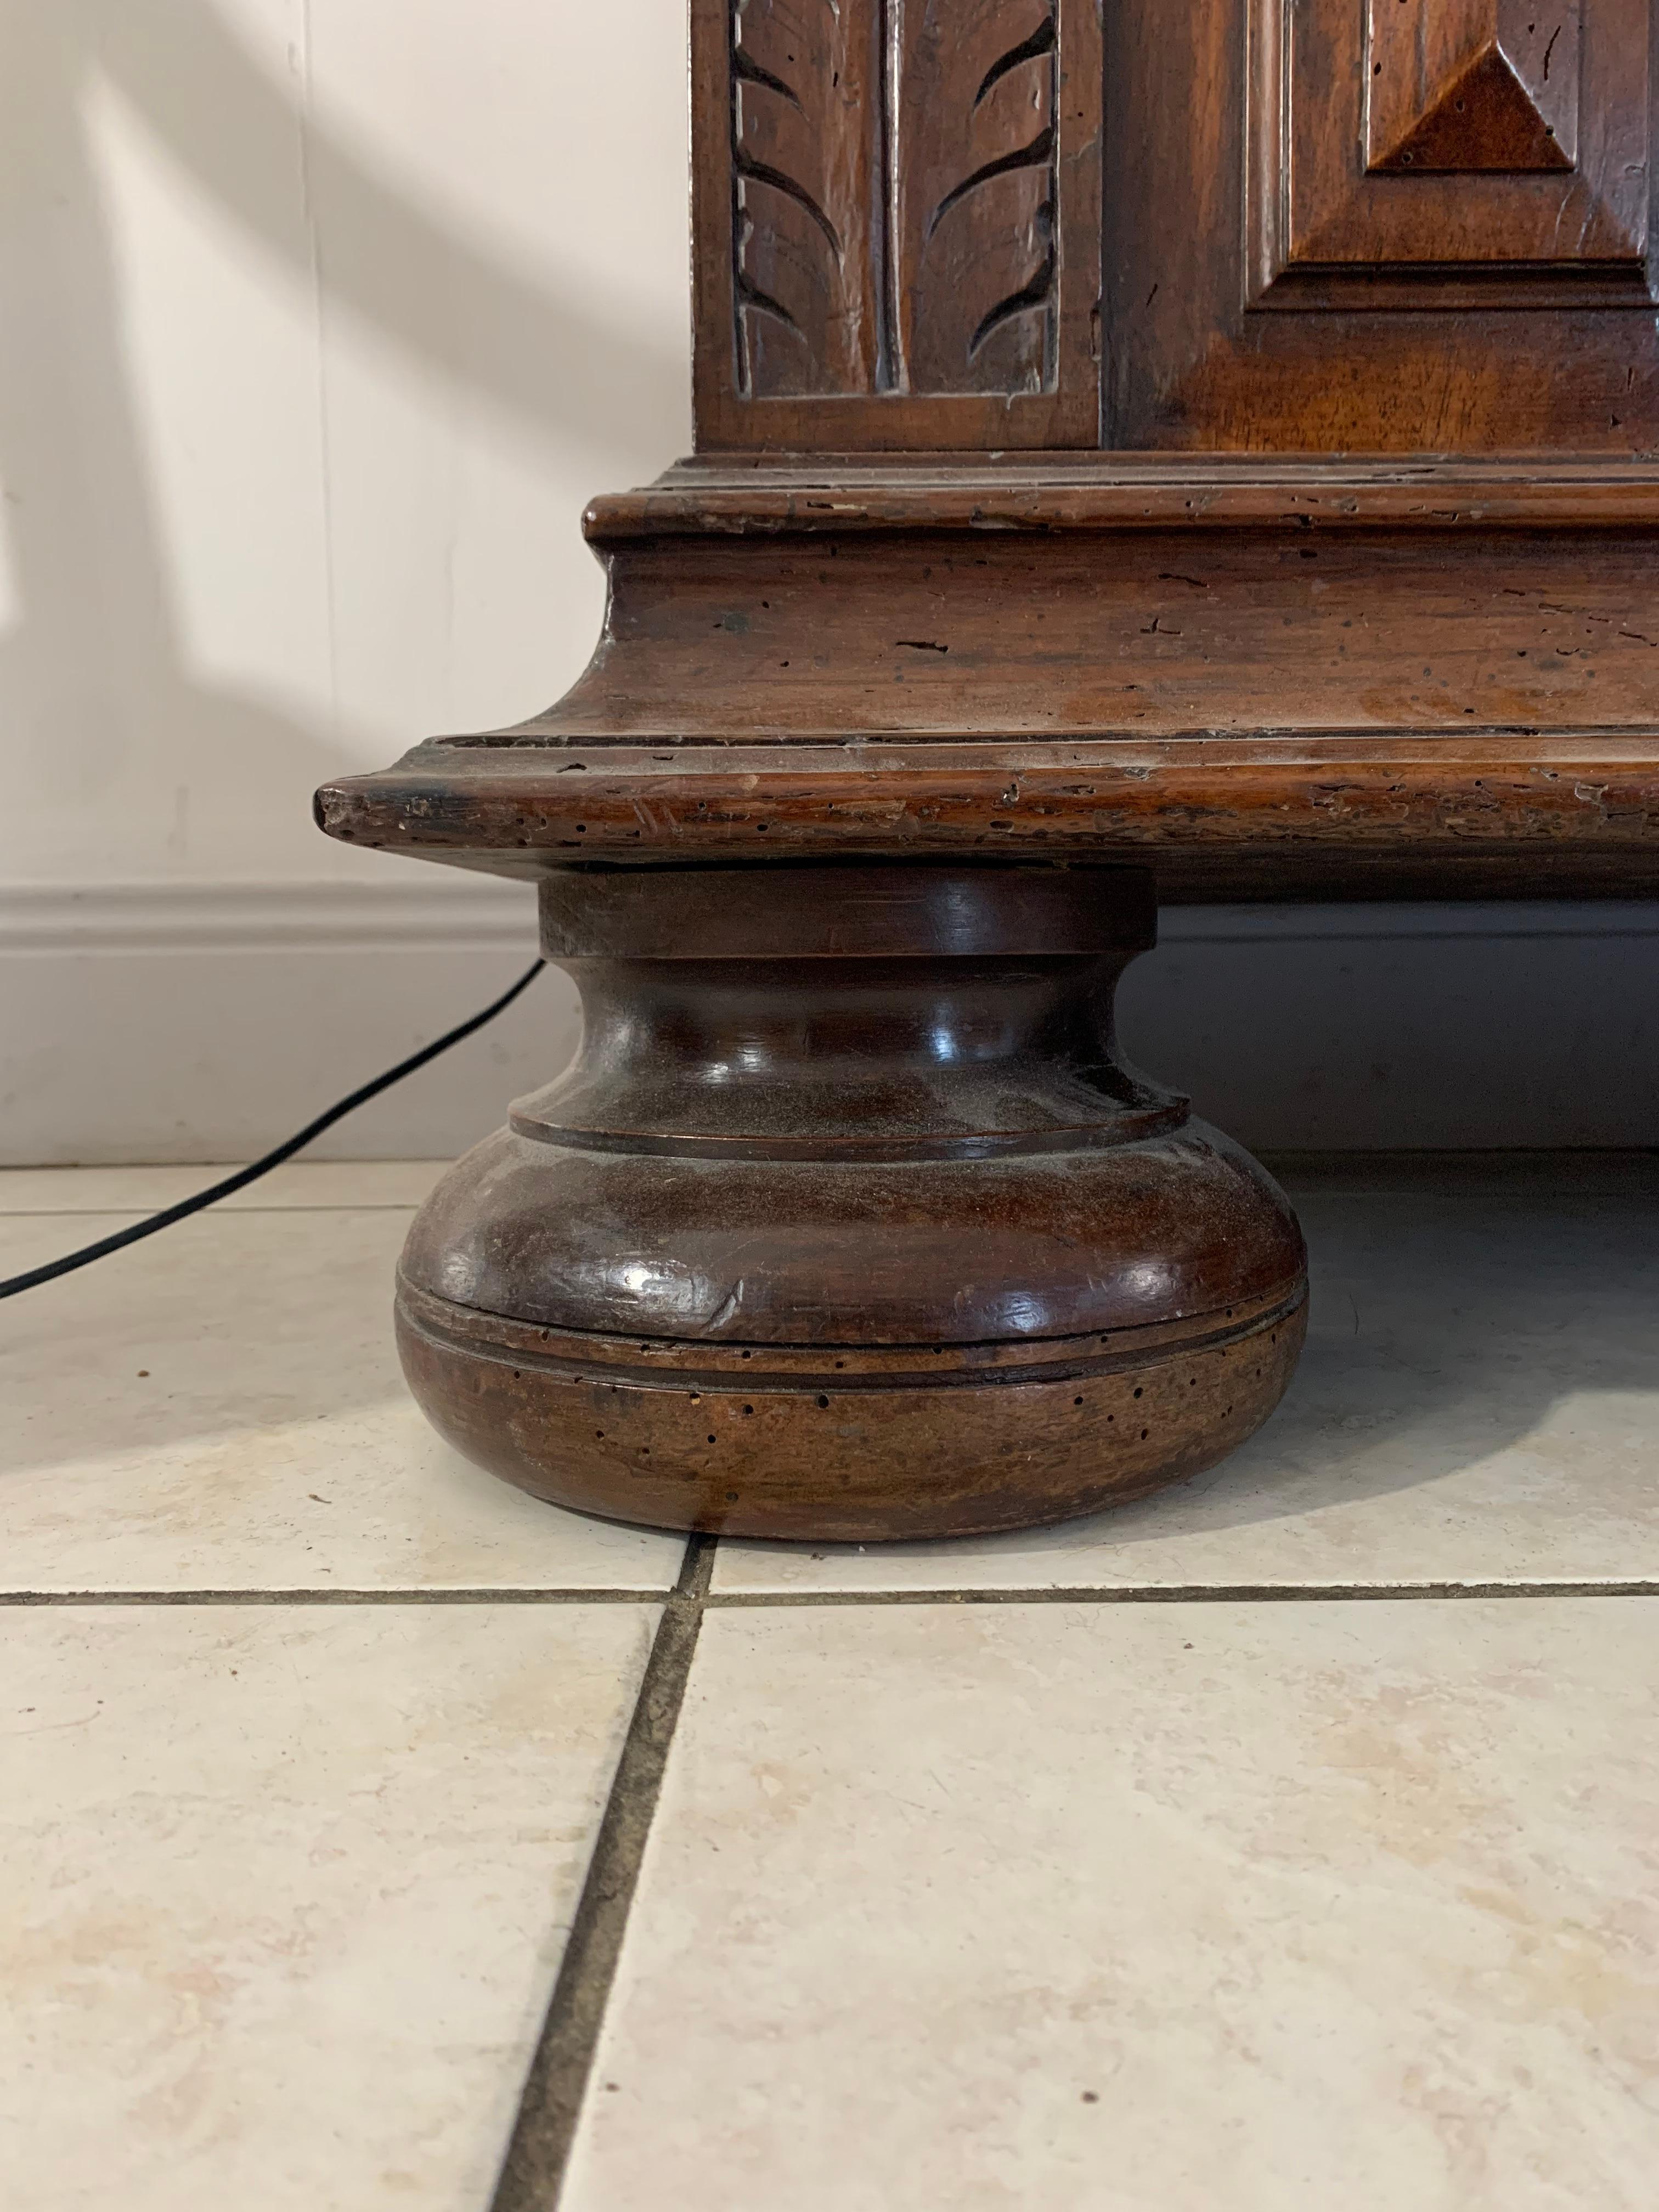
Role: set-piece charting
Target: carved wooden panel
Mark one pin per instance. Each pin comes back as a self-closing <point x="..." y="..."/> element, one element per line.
<point x="806" y="161"/>
<point x="1472" y="85"/>
<point x="904" y="194"/>
<point x="1422" y="153"/>
<point x="1440" y="205"/>
<point x="971" y="174"/>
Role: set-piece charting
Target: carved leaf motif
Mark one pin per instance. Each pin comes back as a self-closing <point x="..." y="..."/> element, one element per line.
<point x="894" y="188"/>
<point x="973" y="195"/>
<point x="806" y="157"/>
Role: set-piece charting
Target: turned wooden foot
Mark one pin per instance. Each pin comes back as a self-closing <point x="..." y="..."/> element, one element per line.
<point x="847" y="1222"/>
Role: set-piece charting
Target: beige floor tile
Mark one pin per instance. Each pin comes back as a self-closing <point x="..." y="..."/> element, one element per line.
<point x="1478" y="1402"/>
<point x="285" y="1892"/>
<point x="221" y="1408"/>
<point x="1147" y="1908"/>
<point x="147" y="1190"/>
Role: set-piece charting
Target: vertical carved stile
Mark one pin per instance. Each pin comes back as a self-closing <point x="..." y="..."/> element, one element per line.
<point x="973" y="195"/>
<point x="894" y="190"/>
<point x="806" y="137"/>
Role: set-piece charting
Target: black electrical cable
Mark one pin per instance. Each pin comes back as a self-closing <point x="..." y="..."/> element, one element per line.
<point x="243" y="1177"/>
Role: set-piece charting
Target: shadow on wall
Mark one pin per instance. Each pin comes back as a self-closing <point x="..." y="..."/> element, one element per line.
<point x="96" y="627"/>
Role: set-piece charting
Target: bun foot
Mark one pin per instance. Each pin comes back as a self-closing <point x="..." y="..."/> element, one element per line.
<point x="847" y="1224"/>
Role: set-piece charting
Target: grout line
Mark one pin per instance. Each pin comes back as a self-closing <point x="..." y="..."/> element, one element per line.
<point x="1185" y="1593"/>
<point x="533" y="2169"/>
<point x="944" y="1594"/>
<point x="483" y="1596"/>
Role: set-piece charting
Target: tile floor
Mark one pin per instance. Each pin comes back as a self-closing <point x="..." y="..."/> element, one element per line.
<point x="370" y="1836"/>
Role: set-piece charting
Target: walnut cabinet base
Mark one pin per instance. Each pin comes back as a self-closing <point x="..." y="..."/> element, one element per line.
<point x="847" y="1222"/>
<point x="1086" y="495"/>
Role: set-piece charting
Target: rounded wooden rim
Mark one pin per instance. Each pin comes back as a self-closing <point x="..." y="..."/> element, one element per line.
<point x="673" y="1364"/>
<point x="827" y="910"/>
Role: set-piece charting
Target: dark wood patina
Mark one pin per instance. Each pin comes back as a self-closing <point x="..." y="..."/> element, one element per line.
<point x="1026" y="576"/>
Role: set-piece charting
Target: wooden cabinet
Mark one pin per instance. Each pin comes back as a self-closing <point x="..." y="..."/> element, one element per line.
<point x="897" y="223"/>
<point x="1394" y="226"/>
<point x="1292" y="225"/>
<point x="1180" y="449"/>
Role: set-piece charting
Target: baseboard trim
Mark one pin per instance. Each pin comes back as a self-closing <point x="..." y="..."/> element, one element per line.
<point x="448" y="906"/>
<point x="1491" y="919"/>
<point x="204" y="1022"/>
<point x="452" y="909"/>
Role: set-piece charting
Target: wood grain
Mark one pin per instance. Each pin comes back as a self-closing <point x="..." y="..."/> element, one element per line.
<point x="1320" y="679"/>
<point x="752" y="1457"/>
<point x="1462" y="86"/>
<point x="1257" y="302"/>
<point x="974" y="189"/>
<point x="1508" y="816"/>
<point x="847" y="1220"/>
<point x="806" y="155"/>
<point x="731" y="494"/>
<point x="897" y="216"/>
<point x="1003" y="633"/>
<point x="1477" y="159"/>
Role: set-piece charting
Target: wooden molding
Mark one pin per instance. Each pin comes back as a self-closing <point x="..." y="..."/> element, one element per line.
<point x="1429" y="154"/>
<point x="1338" y="679"/>
<point x="827" y="494"/>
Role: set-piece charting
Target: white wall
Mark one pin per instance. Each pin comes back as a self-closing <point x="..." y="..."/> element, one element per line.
<point x="319" y="321"/>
